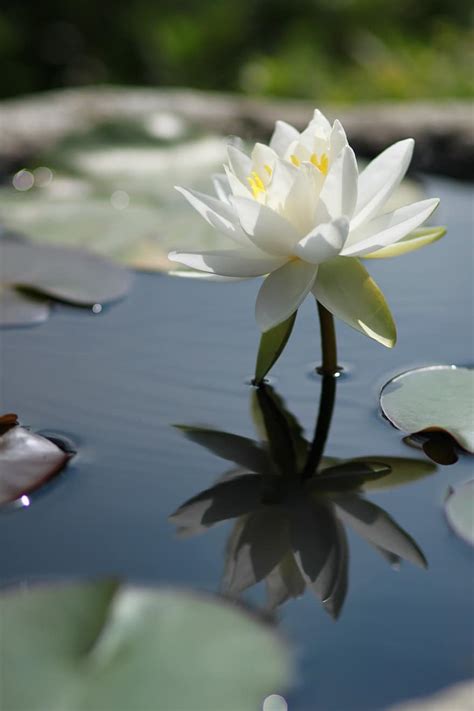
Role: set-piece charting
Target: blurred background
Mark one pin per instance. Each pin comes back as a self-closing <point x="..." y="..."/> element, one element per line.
<point x="328" y="50"/>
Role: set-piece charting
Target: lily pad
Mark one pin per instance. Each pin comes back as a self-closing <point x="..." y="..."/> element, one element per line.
<point x="27" y="460"/>
<point x="459" y="508"/>
<point x="31" y="272"/>
<point x="433" y="399"/>
<point x="104" y="645"/>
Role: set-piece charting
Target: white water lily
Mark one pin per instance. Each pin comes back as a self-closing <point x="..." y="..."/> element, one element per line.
<point x="299" y="213"/>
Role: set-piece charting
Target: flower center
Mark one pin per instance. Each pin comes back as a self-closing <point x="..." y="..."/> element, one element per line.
<point x="257" y="185"/>
<point x="321" y="163"/>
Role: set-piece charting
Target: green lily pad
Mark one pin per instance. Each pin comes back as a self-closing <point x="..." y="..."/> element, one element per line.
<point x="433" y="399"/>
<point x="27" y="460"/>
<point x="459" y="508"/>
<point x="104" y="645"/>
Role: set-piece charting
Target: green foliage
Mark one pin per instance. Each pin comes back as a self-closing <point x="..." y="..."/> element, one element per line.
<point x="325" y="50"/>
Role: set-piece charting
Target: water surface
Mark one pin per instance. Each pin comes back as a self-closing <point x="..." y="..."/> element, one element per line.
<point x="177" y="351"/>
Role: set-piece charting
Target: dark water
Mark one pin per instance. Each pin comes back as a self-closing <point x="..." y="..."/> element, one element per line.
<point x="181" y="351"/>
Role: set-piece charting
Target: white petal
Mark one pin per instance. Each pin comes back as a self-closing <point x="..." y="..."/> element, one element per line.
<point x="389" y="228"/>
<point x="220" y="215"/>
<point x="202" y="276"/>
<point x="282" y="136"/>
<point x="320" y="121"/>
<point x="240" y="163"/>
<point x="380" y="178"/>
<point x="228" y="262"/>
<point x="282" y="179"/>
<point x="302" y="199"/>
<point x="347" y="290"/>
<point x="263" y="158"/>
<point x="339" y="192"/>
<point x="237" y="188"/>
<point x="337" y="141"/>
<point x="282" y="292"/>
<point x="325" y="242"/>
<point x="221" y="186"/>
<point x="268" y="230"/>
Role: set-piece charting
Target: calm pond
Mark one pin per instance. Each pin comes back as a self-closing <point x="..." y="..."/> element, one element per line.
<point x="178" y="351"/>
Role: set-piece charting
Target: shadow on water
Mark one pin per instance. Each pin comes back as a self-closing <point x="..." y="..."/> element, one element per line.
<point x="292" y="505"/>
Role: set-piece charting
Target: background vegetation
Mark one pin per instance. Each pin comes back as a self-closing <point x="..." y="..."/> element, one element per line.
<point x="334" y="50"/>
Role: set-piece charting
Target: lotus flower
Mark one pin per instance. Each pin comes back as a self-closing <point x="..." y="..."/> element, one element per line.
<point x="299" y="213"/>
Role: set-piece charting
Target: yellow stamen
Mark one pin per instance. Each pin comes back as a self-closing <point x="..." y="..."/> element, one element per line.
<point x="268" y="169"/>
<point x="295" y="160"/>
<point x="256" y="184"/>
<point x="322" y="164"/>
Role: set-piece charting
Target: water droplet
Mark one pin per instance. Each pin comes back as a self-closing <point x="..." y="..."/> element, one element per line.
<point x="97" y="308"/>
<point x="120" y="199"/>
<point x="23" y="180"/>
<point x="25" y="501"/>
<point x="42" y="176"/>
<point x="275" y="702"/>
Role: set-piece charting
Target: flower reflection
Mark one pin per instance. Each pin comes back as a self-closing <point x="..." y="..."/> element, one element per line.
<point x="292" y="505"/>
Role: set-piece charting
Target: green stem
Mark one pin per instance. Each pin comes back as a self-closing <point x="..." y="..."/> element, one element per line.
<point x="328" y="342"/>
<point x="329" y="370"/>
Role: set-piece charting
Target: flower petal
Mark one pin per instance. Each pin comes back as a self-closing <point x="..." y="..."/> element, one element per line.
<point x="380" y="178"/>
<point x="263" y="157"/>
<point x="339" y="192"/>
<point x="218" y="214"/>
<point x="347" y="290"/>
<point x="221" y="186"/>
<point x="268" y="230"/>
<point x="302" y="198"/>
<point x="237" y="188"/>
<point x="240" y="163"/>
<point x="389" y="228"/>
<point x="415" y="240"/>
<point x="337" y="141"/>
<point x="323" y="243"/>
<point x="228" y="262"/>
<point x="282" y="136"/>
<point x="202" y="276"/>
<point x="282" y="292"/>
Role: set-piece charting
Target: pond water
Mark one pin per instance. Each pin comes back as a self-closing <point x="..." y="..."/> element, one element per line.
<point x="178" y="351"/>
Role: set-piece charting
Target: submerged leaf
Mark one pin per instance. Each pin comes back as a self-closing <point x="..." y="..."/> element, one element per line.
<point x="272" y="344"/>
<point x="433" y="399"/>
<point x="27" y="460"/>
<point x="459" y="509"/>
<point x="103" y="645"/>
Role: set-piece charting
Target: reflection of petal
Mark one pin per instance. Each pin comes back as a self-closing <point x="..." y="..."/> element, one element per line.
<point x="225" y="500"/>
<point x="256" y="549"/>
<point x="314" y="539"/>
<point x="335" y="600"/>
<point x="262" y="424"/>
<point x="284" y="582"/>
<point x="241" y="450"/>
<point x="348" y="475"/>
<point x="375" y="525"/>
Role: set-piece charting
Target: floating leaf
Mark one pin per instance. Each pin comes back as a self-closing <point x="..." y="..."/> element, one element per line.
<point x="108" y="646"/>
<point x="73" y="275"/>
<point x="433" y="399"/>
<point x="271" y="347"/>
<point x="459" y="508"/>
<point x="27" y="460"/>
